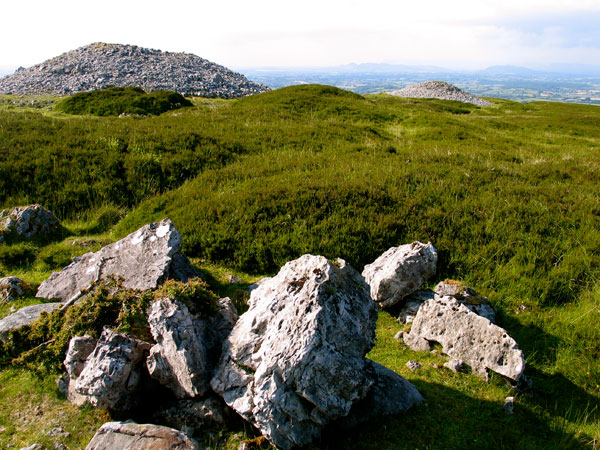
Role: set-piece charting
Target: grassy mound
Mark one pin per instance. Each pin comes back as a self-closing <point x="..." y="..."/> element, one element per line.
<point x="122" y="100"/>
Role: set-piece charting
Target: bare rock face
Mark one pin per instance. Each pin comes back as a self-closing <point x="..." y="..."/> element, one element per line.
<point x="12" y="288"/>
<point x="25" y="316"/>
<point x="178" y="360"/>
<point x="295" y="360"/>
<point x="187" y="347"/>
<point x="112" y="371"/>
<point x="28" y="221"/>
<point x="390" y="394"/>
<point x="133" y="436"/>
<point x="144" y="260"/>
<point x="467" y="336"/>
<point x="195" y="414"/>
<point x="400" y="271"/>
<point x="80" y="347"/>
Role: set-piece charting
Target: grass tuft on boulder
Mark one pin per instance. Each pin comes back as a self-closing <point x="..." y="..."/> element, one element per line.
<point x="115" y="101"/>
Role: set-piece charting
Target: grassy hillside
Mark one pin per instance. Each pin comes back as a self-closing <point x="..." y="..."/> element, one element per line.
<point x="508" y="195"/>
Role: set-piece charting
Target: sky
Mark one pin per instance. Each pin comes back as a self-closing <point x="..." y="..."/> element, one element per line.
<point x="458" y="34"/>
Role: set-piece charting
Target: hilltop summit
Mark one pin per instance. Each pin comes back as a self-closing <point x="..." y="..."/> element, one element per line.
<point x="440" y="90"/>
<point x="100" y="65"/>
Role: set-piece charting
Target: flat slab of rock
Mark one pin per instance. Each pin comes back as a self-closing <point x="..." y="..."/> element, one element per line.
<point x="111" y="374"/>
<point x="133" y="436"/>
<point x="28" y="221"/>
<point x="400" y="271"/>
<point x="295" y="360"/>
<point x="144" y="260"/>
<point x="25" y="316"/>
<point x="12" y="288"/>
<point x="467" y="336"/>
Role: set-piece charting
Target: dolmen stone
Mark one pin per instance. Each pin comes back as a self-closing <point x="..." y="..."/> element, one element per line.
<point x="133" y="436"/>
<point x="467" y="336"/>
<point x="143" y="260"/>
<point x="24" y="316"/>
<point x="111" y="374"/>
<point x="295" y="361"/>
<point x="28" y="221"/>
<point x="80" y="348"/>
<point x="12" y="288"/>
<point x="400" y="271"/>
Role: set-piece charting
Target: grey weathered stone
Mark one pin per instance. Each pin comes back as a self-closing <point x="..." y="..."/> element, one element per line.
<point x="12" y="288"/>
<point x="413" y="365"/>
<point x="196" y="414"/>
<point x="455" y="365"/>
<point x="440" y="90"/>
<point x="295" y="360"/>
<point x="465" y="335"/>
<point x="100" y="65"/>
<point x="400" y="271"/>
<point x="143" y="260"/>
<point x="25" y="316"/>
<point x="28" y="221"/>
<point x="112" y="372"/>
<point x="133" y="436"/>
<point x="178" y="360"/>
<point x="509" y="405"/>
<point x="411" y="304"/>
<point x="467" y="296"/>
<point x="33" y="447"/>
<point x="80" y="347"/>
<point x="390" y="394"/>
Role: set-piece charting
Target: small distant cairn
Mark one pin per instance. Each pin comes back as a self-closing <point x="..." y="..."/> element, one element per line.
<point x="440" y="90"/>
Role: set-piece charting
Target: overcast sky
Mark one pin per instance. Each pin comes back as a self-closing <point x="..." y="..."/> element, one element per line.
<point x="456" y="34"/>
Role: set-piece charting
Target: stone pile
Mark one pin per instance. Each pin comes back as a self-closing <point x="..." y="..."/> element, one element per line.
<point x="100" y="65"/>
<point x="440" y="90"/>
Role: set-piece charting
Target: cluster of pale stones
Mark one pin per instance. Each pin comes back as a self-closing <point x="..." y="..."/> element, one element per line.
<point x="291" y="365"/>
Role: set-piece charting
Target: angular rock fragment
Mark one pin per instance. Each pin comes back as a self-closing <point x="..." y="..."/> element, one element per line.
<point x="12" y="288"/>
<point x="295" y="360"/>
<point x="133" y="436"/>
<point x="467" y="336"/>
<point x="25" y="316"/>
<point x="144" y="260"/>
<point x="467" y="296"/>
<point x="80" y="347"/>
<point x="400" y="271"/>
<point x="178" y="360"/>
<point x="390" y="394"/>
<point x="196" y="414"/>
<point x="112" y="371"/>
<point x="28" y="221"/>
<point x="188" y="347"/>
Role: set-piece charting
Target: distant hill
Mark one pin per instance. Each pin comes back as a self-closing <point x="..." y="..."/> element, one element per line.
<point x="100" y="65"/>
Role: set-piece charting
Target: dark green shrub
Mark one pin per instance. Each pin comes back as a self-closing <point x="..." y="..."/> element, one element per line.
<point x="122" y="100"/>
<point x="17" y="254"/>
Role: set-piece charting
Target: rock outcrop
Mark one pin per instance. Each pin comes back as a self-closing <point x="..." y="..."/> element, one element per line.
<point x="440" y="90"/>
<point x="133" y="436"/>
<point x="27" y="222"/>
<point x="112" y="372"/>
<point x="12" y="288"/>
<point x="143" y="260"/>
<point x="467" y="336"/>
<point x="195" y="414"/>
<point x="100" y="65"/>
<point x="295" y="360"/>
<point x="400" y="271"/>
<point x="24" y="316"/>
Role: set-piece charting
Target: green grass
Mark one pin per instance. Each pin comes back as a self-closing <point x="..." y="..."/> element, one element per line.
<point x="507" y="194"/>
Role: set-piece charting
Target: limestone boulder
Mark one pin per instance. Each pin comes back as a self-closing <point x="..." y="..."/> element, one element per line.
<point x="467" y="336"/>
<point x="195" y="414"/>
<point x="143" y="260"/>
<point x="295" y="360"/>
<point x="389" y="395"/>
<point x="24" y="316"/>
<point x="28" y="221"/>
<point x="12" y="288"/>
<point x="133" y="436"/>
<point x="400" y="271"/>
<point x="112" y="373"/>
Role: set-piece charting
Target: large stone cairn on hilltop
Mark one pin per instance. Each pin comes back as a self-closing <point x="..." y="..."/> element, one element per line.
<point x="100" y="65"/>
<point x="440" y="90"/>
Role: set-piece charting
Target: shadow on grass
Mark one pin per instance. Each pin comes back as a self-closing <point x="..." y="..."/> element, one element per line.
<point x="452" y="420"/>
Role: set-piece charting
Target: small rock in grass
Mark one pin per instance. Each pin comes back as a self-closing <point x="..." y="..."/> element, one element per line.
<point x="509" y="405"/>
<point x="398" y="335"/>
<point x="455" y="365"/>
<point x="413" y="365"/>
